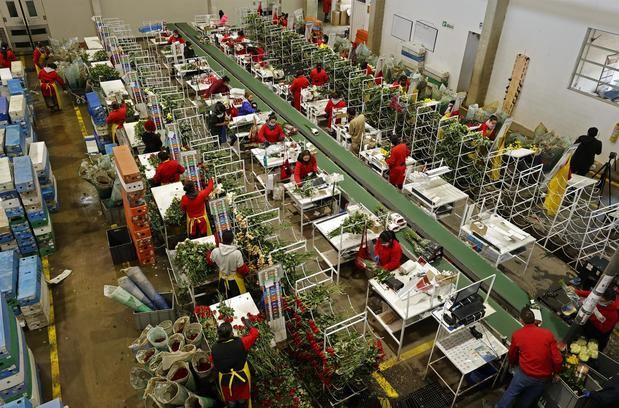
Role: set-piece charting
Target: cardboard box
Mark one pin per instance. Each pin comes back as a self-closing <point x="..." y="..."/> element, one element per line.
<point x="335" y="17"/>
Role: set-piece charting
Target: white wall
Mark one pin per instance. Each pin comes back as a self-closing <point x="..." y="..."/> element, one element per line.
<point x="450" y="44"/>
<point x="69" y="18"/>
<point x="360" y="18"/>
<point x="551" y="32"/>
<point x="233" y="7"/>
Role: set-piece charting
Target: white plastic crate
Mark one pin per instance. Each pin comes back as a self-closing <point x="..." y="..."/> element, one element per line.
<point x="17" y="69"/>
<point x="6" y="178"/>
<point x="5" y="75"/>
<point x="17" y="108"/>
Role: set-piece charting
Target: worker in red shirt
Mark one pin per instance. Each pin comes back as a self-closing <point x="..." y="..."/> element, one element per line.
<point x="387" y="251"/>
<point x="175" y="37"/>
<point x="194" y="205"/>
<point x="39" y="56"/>
<point x="488" y="128"/>
<point x="305" y="166"/>
<point x="229" y="357"/>
<point x="367" y="68"/>
<point x="335" y="102"/>
<point x="6" y="56"/>
<point x="300" y="82"/>
<point x="326" y="9"/>
<point x="116" y="118"/>
<point x="318" y="76"/>
<point x="535" y="351"/>
<point x="50" y="80"/>
<point x="168" y="171"/>
<point x="403" y="82"/>
<point x="219" y="86"/>
<point x="397" y="162"/>
<point x="271" y="131"/>
<point x="283" y="20"/>
<point x="604" y="318"/>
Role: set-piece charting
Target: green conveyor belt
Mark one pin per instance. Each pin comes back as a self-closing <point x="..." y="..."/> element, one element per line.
<point x="365" y="186"/>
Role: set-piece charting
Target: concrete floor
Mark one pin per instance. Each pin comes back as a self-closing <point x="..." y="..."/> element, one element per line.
<point x="94" y="332"/>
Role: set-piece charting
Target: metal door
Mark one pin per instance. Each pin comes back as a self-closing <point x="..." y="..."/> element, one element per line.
<point x="25" y="22"/>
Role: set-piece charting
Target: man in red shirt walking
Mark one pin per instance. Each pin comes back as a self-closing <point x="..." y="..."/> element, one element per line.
<point x="535" y="351"/>
<point x="397" y="162"/>
<point x="300" y="82"/>
<point x="168" y="171"/>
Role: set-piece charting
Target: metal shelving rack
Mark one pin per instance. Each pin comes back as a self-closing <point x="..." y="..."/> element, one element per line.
<point x="425" y="131"/>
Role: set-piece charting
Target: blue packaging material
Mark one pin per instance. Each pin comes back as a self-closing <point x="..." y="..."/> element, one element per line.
<point x="15" y="87"/>
<point x="9" y="262"/>
<point x="14" y="212"/>
<point x="52" y="404"/>
<point x="25" y="402"/>
<point x="9" y="194"/>
<point x="5" y="329"/>
<point x="151" y="27"/>
<point x="6" y="237"/>
<point x="23" y="172"/>
<point x="14" y="141"/>
<point x="48" y="191"/>
<point x="95" y="109"/>
<point x="37" y="216"/>
<point x="29" y="282"/>
<point x="109" y="147"/>
<point x="4" y="109"/>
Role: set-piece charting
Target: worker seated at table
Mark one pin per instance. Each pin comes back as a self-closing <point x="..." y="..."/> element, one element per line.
<point x="116" y="118"/>
<point x="168" y="171"/>
<point x="318" y="75"/>
<point x="305" y="167"/>
<point x="298" y="83"/>
<point x="229" y="357"/>
<point x="403" y="82"/>
<point x="240" y="37"/>
<point x="271" y="132"/>
<point x="335" y="102"/>
<point x="232" y="268"/>
<point x="601" y="323"/>
<point x="322" y="42"/>
<point x="387" y="251"/>
<point x="397" y="162"/>
<point x="219" y="86"/>
<point x="50" y="80"/>
<point x="150" y="138"/>
<point x="535" y="353"/>
<point x="366" y="67"/>
<point x="175" y="38"/>
<point x="488" y="128"/>
<point x="189" y="52"/>
<point x="218" y="122"/>
<point x="248" y="106"/>
<point x="193" y="203"/>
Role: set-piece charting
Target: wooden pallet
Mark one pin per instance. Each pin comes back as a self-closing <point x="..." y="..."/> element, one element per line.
<point x="515" y="83"/>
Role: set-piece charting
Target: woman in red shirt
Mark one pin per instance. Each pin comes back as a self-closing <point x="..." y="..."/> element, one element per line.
<point x="194" y="205"/>
<point x="49" y="79"/>
<point x="175" y="37"/>
<point x="271" y="131"/>
<point x="6" y="56"/>
<point x="39" y="56"/>
<point x="488" y="128"/>
<point x="168" y="171"/>
<point x="305" y="166"/>
<point x="387" y="251"/>
<point x="299" y="83"/>
<point x="335" y="102"/>
<point x="397" y="162"/>
<point x="604" y="318"/>
<point x="319" y="76"/>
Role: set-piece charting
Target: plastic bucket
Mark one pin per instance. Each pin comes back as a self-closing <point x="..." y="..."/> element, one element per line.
<point x="180" y="323"/>
<point x="176" y="342"/>
<point x="193" y="334"/>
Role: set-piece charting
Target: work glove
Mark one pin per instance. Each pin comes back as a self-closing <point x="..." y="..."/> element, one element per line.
<point x="376" y="259"/>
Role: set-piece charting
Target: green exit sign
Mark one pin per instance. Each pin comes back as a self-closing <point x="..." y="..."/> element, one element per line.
<point x="447" y="25"/>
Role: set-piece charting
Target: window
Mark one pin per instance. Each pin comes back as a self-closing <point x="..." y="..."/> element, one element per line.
<point x="32" y="10"/>
<point x="10" y="5"/>
<point x="597" y="70"/>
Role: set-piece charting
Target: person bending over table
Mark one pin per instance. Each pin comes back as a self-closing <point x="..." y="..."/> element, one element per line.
<point x="305" y="167"/>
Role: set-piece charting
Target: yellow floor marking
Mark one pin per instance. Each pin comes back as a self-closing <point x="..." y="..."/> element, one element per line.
<point x="53" y="342"/>
<point x="390" y="392"/>
<point x="80" y="121"/>
<point x="415" y="351"/>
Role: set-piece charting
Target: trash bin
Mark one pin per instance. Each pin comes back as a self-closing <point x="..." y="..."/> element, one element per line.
<point x="143" y="319"/>
<point x="121" y="246"/>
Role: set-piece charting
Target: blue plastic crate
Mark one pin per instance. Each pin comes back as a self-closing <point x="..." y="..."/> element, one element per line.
<point x="14" y="212"/>
<point x="23" y="172"/>
<point x="9" y="194"/>
<point x="15" y="87"/>
<point x="52" y="404"/>
<point x="24" y="402"/>
<point x="29" y="283"/>
<point x="5" y="328"/>
<point x="4" y="109"/>
<point x="6" y="237"/>
<point x="9" y="263"/>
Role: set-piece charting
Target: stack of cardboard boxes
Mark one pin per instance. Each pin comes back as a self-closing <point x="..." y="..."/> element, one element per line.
<point x="339" y="14"/>
<point x="133" y="190"/>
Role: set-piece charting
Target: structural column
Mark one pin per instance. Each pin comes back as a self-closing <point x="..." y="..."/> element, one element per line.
<point x="311" y="8"/>
<point x="486" y="53"/>
<point x="375" y="26"/>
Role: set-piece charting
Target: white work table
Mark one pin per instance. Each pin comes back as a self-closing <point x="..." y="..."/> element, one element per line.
<point x="93" y="43"/>
<point x="246" y="120"/>
<point x="399" y="312"/>
<point x="315" y="109"/>
<point x="111" y="87"/>
<point x="433" y="193"/>
<point x="150" y="170"/>
<point x="276" y="154"/>
<point x="164" y="195"/>
<point x="130" y="131"/>
<point x="376" y="159"/>
<point x="502" y="240"/>
<point x="200" y="64"/>
<point x="241" y="304"/>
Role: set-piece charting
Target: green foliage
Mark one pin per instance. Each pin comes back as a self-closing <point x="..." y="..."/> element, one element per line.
<point x="353" y="224"/>
<point x="100" y="55"/>
<point x="102" y="73"/>
<point x="175" y="215"/>
<point x="191" y="260"/>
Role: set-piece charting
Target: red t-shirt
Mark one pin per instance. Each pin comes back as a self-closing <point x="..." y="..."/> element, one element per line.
<point x="266" y="134"/>
<point x="535" y="350"/>
<point x="389" y="257"/>
<point x="117" y="116"/>
<point x="397" y="164"/>
<point x="610" y="313"/>
<point x="195" y="207"/>
<point x="168" y="172"/>
<point x="301" y="170"/>
<point x="319" y="78"/>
